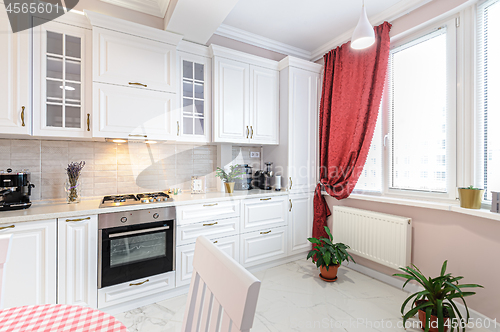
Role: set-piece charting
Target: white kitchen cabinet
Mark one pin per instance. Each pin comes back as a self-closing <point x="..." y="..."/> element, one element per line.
<point x="131" y="291"/>
<point x="15" y="94"/>
<point x="264" y="105"/>
<point x="123" y="112"/>
<point x="185" y="255"/>
<point x="127" y="60"/>
<point x="264" y="212"/>
<point x="263" y="246"/>
<point x="245" y="92"/>
<point x="300" y="218"/>
<point x="187" y="234"/>
<point x="77" y="261"/>
<point x="62" y="80"/>
<point x="30" y="274"/>
<point x="299" y="109"/>
<point x="231" y="101"/>
<point x="194" y="116"/>
<point x="188" y="214"/>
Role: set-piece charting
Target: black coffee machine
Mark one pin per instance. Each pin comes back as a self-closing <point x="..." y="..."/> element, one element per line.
<point x="262" y="179"/>
<point x="15" y="190"/>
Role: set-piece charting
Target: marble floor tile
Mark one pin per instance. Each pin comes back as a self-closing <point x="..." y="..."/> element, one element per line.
<point x="294" y="298"/>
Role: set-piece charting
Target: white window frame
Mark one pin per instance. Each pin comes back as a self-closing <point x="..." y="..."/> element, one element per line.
<point x="452" y="51"/>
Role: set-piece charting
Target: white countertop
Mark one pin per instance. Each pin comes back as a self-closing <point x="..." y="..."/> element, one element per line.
<point x="40" y="211"/>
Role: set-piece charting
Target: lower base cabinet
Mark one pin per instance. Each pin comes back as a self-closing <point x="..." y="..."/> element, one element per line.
<point x="185" y="255"/>
<point x="133" y="290"/>
<point x="77" y="261"/>
<point x="30" y="273"/>
<point x="263" y="246"/>
<point x="300" y="218"/>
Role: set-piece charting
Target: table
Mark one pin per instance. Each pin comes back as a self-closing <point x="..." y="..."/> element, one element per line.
<point x="57" y="317"/>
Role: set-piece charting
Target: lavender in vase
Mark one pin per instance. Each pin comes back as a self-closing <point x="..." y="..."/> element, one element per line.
<point x="73" y="189"/>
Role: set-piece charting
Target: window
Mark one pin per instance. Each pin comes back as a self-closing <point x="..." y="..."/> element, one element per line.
<point x="416" y="138"/>
<point x="488" y="99"/>
<point x="371" y="177"/>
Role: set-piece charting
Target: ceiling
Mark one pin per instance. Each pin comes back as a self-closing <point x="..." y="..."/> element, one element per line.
<point x="305" y="25"/>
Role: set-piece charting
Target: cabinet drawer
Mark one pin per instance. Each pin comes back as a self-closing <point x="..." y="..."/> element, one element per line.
<point x="187" y="234"/>
<point x="132" y="290"/>
<point x="189" y="214"/>
<point x="264" y="212"/>
<point x="263" y="246"/>
<point x="128" y="60"/>
<point x="185" y="254"/>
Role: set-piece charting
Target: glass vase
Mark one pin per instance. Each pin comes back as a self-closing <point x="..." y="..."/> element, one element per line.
<point x="73" y="192"/>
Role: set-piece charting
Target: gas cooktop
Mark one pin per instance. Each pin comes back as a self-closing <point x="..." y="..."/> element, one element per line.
<point x="134" y="199"/>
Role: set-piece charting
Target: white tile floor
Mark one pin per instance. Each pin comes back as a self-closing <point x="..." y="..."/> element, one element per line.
<point x="294" y="298"/>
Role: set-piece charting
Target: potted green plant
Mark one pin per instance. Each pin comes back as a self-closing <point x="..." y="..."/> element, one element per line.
<point x="228" y="178"/>
<point x="470" y="197"/>
<point x="328" y="255"/>
<point x="434" y="305"/>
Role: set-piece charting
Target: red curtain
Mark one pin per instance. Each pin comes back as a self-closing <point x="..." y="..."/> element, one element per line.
<point x="353" y="84"/>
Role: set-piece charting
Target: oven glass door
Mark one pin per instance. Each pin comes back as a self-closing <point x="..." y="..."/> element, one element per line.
<point x="134" y="252"/>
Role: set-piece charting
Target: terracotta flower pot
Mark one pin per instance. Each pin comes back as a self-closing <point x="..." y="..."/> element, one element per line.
<point x="433" y="321"/>
<point x="229" y="187"/>
<point x="330" y="274"/>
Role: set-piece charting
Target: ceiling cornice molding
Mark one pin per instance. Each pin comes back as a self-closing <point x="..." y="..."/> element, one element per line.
<point x="260" y="41"/>
<point x="391" y="14"/>
<point x="156" y="8"/>
<point x="228" y="53"/>
<point x="131" y="28"/>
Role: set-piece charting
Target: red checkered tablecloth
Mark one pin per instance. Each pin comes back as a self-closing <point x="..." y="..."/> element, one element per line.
<point x="57" y="317"/>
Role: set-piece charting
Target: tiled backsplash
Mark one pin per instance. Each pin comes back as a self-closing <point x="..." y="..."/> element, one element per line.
<point x="113" y="168"/>
<point x="110" y="168"/>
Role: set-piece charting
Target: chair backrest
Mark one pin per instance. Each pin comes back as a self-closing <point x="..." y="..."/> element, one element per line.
<point x="222" y="296"/>
<point x="5" y="241"/>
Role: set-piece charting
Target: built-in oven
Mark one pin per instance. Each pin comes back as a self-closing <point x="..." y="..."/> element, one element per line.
<point x="135" y="244"/>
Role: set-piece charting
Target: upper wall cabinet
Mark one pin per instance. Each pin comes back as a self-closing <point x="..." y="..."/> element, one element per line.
<point x="246" y="98"/>
<point x="134" y="80"/>
<point x="15" y="102"/>
<point x="62" y="89"/>
<point x="127" y="60"/>
<point x="194" y="94"/>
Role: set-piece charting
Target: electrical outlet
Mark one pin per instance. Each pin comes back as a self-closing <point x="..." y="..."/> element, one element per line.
<point x="254" y="154"/>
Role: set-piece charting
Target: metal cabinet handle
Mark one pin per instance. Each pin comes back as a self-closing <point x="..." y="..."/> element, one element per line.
<point x="11" y="226"/>
<point x="265" y="199"/>
<point x="138" y="135"/>
<point x="263" y="233"/>
<point x="22" y="117"/>
<point x="77" y="220"/>
<point x="248" y="132"/>
<point x="291" y="205"/>
<point x="291" y="183"/>
<point x="178" y="128"/>
<point x="216" y="242"/>
<point x="251" y="128"/>
<point x="215" y="223"/>
<point x="211" y="204"/>
<point x="140" y="283"/>
<point x="136" y="83"/>
<point x="88" y="122"/>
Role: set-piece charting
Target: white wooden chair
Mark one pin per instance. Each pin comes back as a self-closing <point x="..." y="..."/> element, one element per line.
<point x="222" y="296"/>
<point x="5" y="241"/>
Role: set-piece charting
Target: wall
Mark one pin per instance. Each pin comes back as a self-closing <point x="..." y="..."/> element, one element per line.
<point x="241" y="156"/>
<point x="110" y="168"/>
<point x="470" y="244"/>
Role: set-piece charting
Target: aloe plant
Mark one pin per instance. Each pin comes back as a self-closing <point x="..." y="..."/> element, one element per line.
<point x="326" y="253"/>
<point x="437" y="296"/>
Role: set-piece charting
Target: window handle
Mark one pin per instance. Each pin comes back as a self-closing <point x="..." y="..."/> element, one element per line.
<point x="386" y="138"/>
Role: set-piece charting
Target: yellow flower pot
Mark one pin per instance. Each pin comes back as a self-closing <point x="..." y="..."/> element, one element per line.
<point x="470" y="198"/>
<point x="229" y="187"/>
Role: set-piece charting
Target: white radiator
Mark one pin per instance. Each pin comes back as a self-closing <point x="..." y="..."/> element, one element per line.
<point x="380" y="237"/>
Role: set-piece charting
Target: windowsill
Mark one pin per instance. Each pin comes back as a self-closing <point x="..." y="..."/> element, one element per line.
<point x="482" y="213"/>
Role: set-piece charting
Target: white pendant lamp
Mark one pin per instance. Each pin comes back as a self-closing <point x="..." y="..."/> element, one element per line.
<point x="363" y="36"/>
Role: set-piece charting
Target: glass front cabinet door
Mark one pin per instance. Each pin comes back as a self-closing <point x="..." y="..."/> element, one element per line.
<point x="194" y="116"/>
<point x="62" y="80"/>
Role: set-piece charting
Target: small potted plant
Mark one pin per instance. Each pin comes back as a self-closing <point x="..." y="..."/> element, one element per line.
<point x="470" y="197"/>
<point x="434" y="305"/>
<point x="228" y="178"/>
<point x="328" y="255"/>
